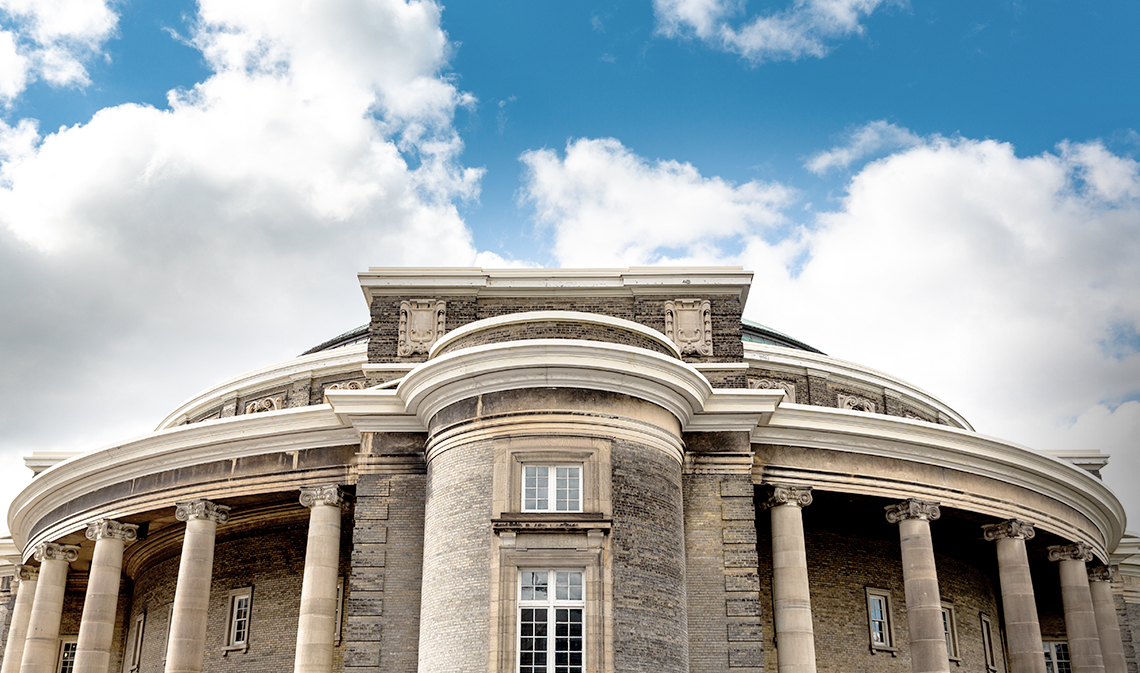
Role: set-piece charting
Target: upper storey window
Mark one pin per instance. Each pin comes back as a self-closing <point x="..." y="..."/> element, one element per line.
<point x="552" y="488"/>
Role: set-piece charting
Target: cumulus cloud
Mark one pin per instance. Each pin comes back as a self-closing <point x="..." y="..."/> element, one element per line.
<point x="148" y="253"/>
<point x="51" y="40"/>
<point x="805" y="28"/>
<point x="1004" y="284"/>
<point x="862" y="143"/>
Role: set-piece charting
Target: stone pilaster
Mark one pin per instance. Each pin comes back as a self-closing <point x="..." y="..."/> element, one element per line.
<point x="920" y="580"/>
<point x="42" y="643"/>
<point x="1080" y="617"/>
<point x="1107" y="625"/>
<point x="187" y="642"/>
<point x="1022" y="628"/>
<point x="791" y="597"/>
<point x="21" y="613"/>
<point x="97" y="626"/>
<point x="316" y="623"/>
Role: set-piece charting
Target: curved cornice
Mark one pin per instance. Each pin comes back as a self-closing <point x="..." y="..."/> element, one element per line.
<point x="180" y="447"/>
<point x="955" y="449"/>
<point x="339" y="360"/>
<point x="778" y="357"/>
<point x="553" y="316"/>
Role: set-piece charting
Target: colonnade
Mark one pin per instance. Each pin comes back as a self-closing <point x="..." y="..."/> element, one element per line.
<point x="33" y="635"/>
<point x="1093" y="631"/>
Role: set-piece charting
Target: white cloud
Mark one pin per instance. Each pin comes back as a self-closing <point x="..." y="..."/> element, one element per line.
<point x="1006" y="285"/>
<point x="805" y="28"/>
<point x="862" y="143"/>
<point x="148" y="253"/>
<point x="51" y="39"/>
<point x="602" y="193"/>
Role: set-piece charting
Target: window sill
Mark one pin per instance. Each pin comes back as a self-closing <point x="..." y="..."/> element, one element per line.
<point x="550" y="522"/>
<point x="234" y="648"/>
<point x="876" y="649"/>
<point x="957" y="661"/>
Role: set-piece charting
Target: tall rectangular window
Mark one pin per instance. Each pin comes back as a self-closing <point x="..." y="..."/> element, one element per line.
<point x="879" y="619"/>
<point x="988" y="644"/>
<point x="1057" y="657"/>
<point x="237" y="636"/>
<point x="136" y="641"/>
<point x="950" y="630"/>
<point x="67" y="650"/>
<point x="551" y="624"/>
<point x="552" y="488"/>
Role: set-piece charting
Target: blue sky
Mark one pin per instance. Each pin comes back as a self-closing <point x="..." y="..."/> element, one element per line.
<point x="947" y="191"/>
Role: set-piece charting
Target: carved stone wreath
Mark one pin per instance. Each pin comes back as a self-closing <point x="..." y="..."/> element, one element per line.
<point x="773" y="384"/>
<point x="856" y="403"/>
<point x="347" y="385"/>
<point x="264" y="404"/>
<point x="421" y="325"/>
<point x="688" y="322"/>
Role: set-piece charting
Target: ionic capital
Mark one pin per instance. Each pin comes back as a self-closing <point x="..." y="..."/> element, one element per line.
<point x="50" y="551"/>
<point x="101" y="528"/>
<point x="1104" y="574"/>
<point x="331" y="495"/>
<point x="27" y="573"/>
<point x="1078" y="551"/>
<point x="1014" y="529"/>
<point x="913" y="508"/>
<point x="776" y="495"/>
<point x="202" y="509"/>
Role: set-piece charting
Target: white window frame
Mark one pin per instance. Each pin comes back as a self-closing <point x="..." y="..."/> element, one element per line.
<point x="988" y="643"/>
<point x="232" y="641"/>
<point x="166" y="634"/>
<point x="550" y="492"/>
<point x="888" y="620"/>
<point x="339" y="608"/>
<point x="137" y="640"/>
<point x="1051" y="656"/>
<point x="950" y="630"/>
<point x="61" y="661"/>
<point x="552" y="603"/>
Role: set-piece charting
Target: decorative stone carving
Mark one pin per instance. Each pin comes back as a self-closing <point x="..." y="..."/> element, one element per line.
<point x="1104" y="574"/>
<point x="913" y="416"/>
<point x="202" y="509"/>
<point x="856" y="403"/>
<point x="777" y="495"/>
<point x="27" y="573"/>
<point x="323" y="495"/>
<point x="50" y="551"/>
<point x="688" y="322"/>
<point x="101" y="528"/>
<point x="1078" y="551"/>
<point x="1011" y="528"/>
<point x="773" y="384"/>
<point x="421" y="325"/>
<point x="913" y="508"/>
<point x="264" y="404"/>
<point x="347" y="385"/>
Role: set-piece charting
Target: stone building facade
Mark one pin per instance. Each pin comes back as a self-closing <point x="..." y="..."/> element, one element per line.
<point x="568" y="471"/>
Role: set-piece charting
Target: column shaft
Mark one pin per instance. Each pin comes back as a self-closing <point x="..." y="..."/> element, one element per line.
<point x="187" y="644"/>
<point x="795" y="652"/>
<point x="1108" y="627"/>
<point x="1022" y="628"/>
<point x="21" y="613"/>
<point x="923" y="602"/>
<point x="42" y="642"/>
<point x="97" y="625"/>
<point x="1080" y="618"/>
<point x="316" y="624"/>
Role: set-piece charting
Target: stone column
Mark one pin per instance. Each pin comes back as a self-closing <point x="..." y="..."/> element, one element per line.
<point x="1022" y="629"/>
<point x="18" y="630"/>
<point x="42" y="642"/>
<point x="923" y="602"/>
<point x="187" y="643"/>
<point x="1080" y="618"/>
<point x="1107" y="625"/>
<point x="795" y="649"/>
<point x="97" y="626"/>
<point x="316" y="625"/>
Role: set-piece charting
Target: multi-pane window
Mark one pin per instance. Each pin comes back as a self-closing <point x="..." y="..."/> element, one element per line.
<point x="136" y="641"/>
<point x="238" y="633"/>
<point x="67" y="655"/>
<point x="950" y="630"/>
<point x="552" y="488"/>
<point x="1057" y="657"/>
<point x="988" y="644"/>
<point x="551" y="628"/>
<point x="879" y="618"/>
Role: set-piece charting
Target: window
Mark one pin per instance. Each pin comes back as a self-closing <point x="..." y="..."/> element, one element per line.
<point x="950" y="630"/>
<point x="237" y="636"/>
<point x="67" y="654"/>
<point x="879" y="619"/>
<point x="1057" y="657"/>
<point x="552" y="488"/>
<point x="339" y="608"/>
<point x="166" y="634"/>
<point x="988" y="644"/>
<point x="136" y="641"/>
<point x="551" y="624"/>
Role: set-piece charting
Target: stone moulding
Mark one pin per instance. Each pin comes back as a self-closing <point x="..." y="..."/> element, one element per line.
<point x="202" y="509"/>
<point x="50" y="551"/>
<point x="913" y="508"/>
<point x="1078" y="551"/>
<point x="101" y="528"/>
<point x="421" y="325"/>
<point x="688" y="322"/>
<point x="1009" y="529"/>
<point x="779" y="494"/>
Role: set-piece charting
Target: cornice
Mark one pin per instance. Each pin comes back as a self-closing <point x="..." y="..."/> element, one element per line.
<point x="952" y="448"/>
<point x="171" y="449"/>
<point x="807" y="363"/>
